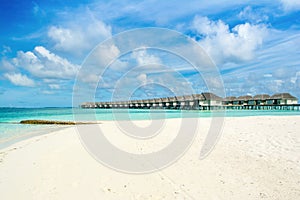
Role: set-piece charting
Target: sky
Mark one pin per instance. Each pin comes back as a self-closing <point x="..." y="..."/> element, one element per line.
<point x="44" y="44"/>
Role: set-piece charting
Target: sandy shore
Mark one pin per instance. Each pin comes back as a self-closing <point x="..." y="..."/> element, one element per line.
<point x="256" y="158"/>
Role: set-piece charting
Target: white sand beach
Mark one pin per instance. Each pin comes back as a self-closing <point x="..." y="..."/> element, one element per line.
<point x="255" y="158"/>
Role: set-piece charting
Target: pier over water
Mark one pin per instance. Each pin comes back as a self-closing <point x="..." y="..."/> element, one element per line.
<point x="206" y="101"/>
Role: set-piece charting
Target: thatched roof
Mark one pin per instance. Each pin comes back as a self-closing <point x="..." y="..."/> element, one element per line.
<point x="201" y="97"/>
<point x="211" y="96"/>
<point x="85" y="104"/>
<point x="158" y="100"/>
<point x="244" y="98"/>
<point x="172" y="99"/>
<point x="231" y="98"/>
<point x="180" y="98"/>
<point x="166" y="99"/>
<point x="133" y="101"/>
<point x="261" y="97"/>
<point x="188" y="97"/>
<point x="198" y="97"/>
<point x="283" y="96"/>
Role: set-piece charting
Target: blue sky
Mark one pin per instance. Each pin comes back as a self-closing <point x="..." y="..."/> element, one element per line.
<point x="43" y="44"/>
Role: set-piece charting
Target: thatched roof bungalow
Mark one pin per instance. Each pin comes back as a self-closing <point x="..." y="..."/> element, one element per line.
<point x="259" y="99"/>
<point x="211" y="96"/>
<point x="189" y="100"/>
<point x="210" y="99"/>
<point x="158" y="102"/>
<point x="198" y="97"/>
<point x="181" y="100"/>
<point x="188" y="97"/>
<point x="231" y="100"/>
<point x="172" y="99"/>
<point x="165" y="100"/>
<point x="205" y="100"/>
<point x="243" y="100"/>
<point x="151" y="101"/>
<point x="282" y="99"/>
<point x="141" y="103"/>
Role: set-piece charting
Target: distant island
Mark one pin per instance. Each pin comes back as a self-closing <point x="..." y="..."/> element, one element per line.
<point x="205" y="101"/>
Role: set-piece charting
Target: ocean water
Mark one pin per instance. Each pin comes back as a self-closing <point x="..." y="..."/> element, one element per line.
<point x="11" y="130"/>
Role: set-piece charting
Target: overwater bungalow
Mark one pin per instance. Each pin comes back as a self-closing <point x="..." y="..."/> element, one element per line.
<point x="210" y="99"/>
<point x="260" y="99"/>
<point x="173" y="102"/>
<point x="181" y="101"/>
<point x="156" y="103"/>
<point x="140" y="104"/>
<point x="231" y="100"/>
<point x="166" y="102"/>
<point x="134" y="103"/>
<point x="197" y="99"/>
<point x="147" y="103"/>
<point x="282" y="99"/>
<point x="152" y="103"/>
<point x="243" y="100"/>
<point x="189" y="102"/>
<point x="126" y="104"/>
<point x="206" y="101"/>
<point x="160" y="102"/>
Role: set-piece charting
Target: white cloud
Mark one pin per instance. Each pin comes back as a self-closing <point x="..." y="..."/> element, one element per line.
<point x="268" y="75"/>
<point x="6" y="49"/>
<point x="54" y="86"/>
<point x="105" y="54"/>
<point x="143" y="58"/>
<point x="229" y="45"/>
<point x="19" y="79"/>
<point x="249" y="14"/>
<point x="142" y="78"/>
<point x="279" y="82"/>
<point x="290" y="5"/>
<point x="77" y="38"/>
<point x="47" y="92"/>
<point x="6" y="65"/>
<point x="44" y="64"/>
<point x="295" y="78"/>
<point x="89" y="78"/>
<point x="37" y="11"/>
<point x="103" y="58"/>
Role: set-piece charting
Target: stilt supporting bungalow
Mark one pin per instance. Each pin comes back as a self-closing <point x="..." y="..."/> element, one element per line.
<point x="206" y="101"/>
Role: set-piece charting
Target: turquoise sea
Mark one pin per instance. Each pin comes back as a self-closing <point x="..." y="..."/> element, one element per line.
<point x="11" y="130"/>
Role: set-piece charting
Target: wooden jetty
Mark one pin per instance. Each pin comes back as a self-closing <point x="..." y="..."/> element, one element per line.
<point x="206" y="101"/>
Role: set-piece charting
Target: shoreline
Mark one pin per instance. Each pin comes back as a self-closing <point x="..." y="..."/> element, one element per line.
<point x="27" y="136"/>
<point x="255" y="158"/>
<point x="56" y="127"/>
